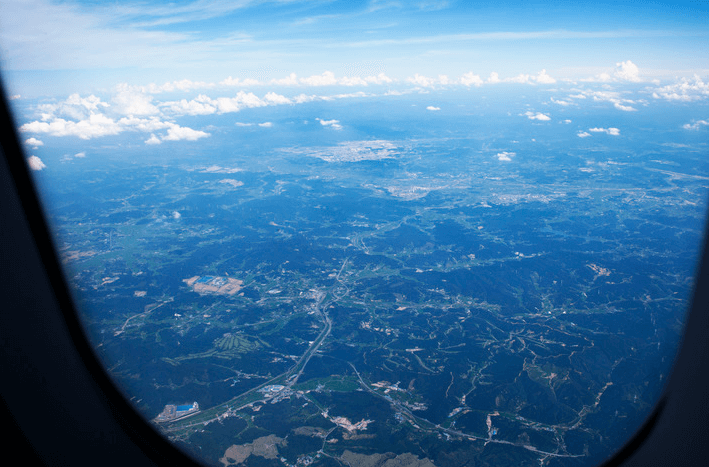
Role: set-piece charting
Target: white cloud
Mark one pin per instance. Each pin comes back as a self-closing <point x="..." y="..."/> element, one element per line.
<point x="201" y="105"/>
<point x="302" y="98"/>
<point x="627" y="71"/>
<point x="80" y="155"/>
<point x="326" y="79"/>
<point x="265" y="124"/>
<point x="609" y="131"/>
<point x="494" y="78"/>
<point x="273" y="98"/>
<point x="624" y="71"/>
<point x="335" y="124"/>
<point x="538" y="116"/>
<point x="559" y="102"/>
<point x="541" y="78"/>
<point x="153" y="139"/>
<point x="685" y="90"/>
<point x="176" y="215"/>
<point x="205" y="105"/>
<point x="14" y="97"/>
<point x="239" y="82"/>
<point x="243" y="124"/>
<point x="625" y="108"/>
<point x="427" y="82"/>
<point x="180" y="133"/>
<point x="74" y="107"/>
<point x="696" y="125"/>
<point x="430" y="107"/>
<point x="35" y="163"/>
<point x="290" y="80"/>
<point x="613" y="97"/>
<point x="94" y="126"/>
<point x="505" y="156"/>
<point x="381" y="78"/>
<point x="34" y="142"/>
<point x="544" y="78"/>
<point x="143" y="124"/>
<point x="583" y="134"/>
<point x="471" y="79"/>
<point x="130" y="102"/>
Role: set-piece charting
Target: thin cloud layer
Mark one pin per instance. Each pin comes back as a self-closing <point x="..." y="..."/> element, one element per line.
<point x="608" y="131"/>
<point x="334" y="124"/>
<point x="695" y="125"/>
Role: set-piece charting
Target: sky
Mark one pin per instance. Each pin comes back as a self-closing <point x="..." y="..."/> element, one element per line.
<point x="87" y="69"/>
<point x="89" y="45"/>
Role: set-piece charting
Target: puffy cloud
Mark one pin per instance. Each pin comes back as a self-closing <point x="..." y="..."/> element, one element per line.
<point x="273" y="98"/>
<point x="609" y="131"/>
<point x="427" y="82"/>
<point x="74" y="107"/>
<point x="627" y="71"/>
<point x="14" y="97"/>
<point x="265" y="124"/>
<point x="35" y="163"/>
<point x="34" y="142"/>
<point x="430" y="107"/>
<point x="471" y="79"/>
<point x="625" y="108"/>
<point x="80" y="155"/>
<point x="335" y="124"/>
<point x="302" y="98"/>
<point x="94" y="126"/>
<point x="685" y="90"/>
<point x="559" y="102"/>
<point x="176" y="215"/>
<point x="538" y="116"/>
<point x="544" y="78"/>
<point x="290" y="80"/>
<point x="696" y="125"/>
<point x="243" y="124"/>
<point x="205" y="105"/>
<point x="238" y="82"/>
<point x="624" y="71"/>
<point x="143" y="124"/>
<point x="494" y="78"/>
<point x="179" y="133"/>
<point x="583" y="134"/>
<point x="381" y="78"/>
<point x="201" y="105"/>
<point x="505" y="156"/>
<point x="153" y="140"/>
<point x="541" y="78"/>
<point x="129" y="102"/>
<point x="326" y="79"/>
<point x="352" y="81"/>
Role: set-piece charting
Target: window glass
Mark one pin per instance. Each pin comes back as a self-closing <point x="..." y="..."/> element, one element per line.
<point x="371" y="233"/>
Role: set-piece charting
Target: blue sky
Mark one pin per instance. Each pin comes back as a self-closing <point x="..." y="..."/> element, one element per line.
<point x="86" y="46"/>
<point x="93" y="69"/>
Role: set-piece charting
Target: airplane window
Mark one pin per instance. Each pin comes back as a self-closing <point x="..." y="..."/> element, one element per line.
<point x="318" y="233"/>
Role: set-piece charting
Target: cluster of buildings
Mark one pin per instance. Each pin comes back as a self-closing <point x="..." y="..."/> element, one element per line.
<point x="171" y="412"/>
